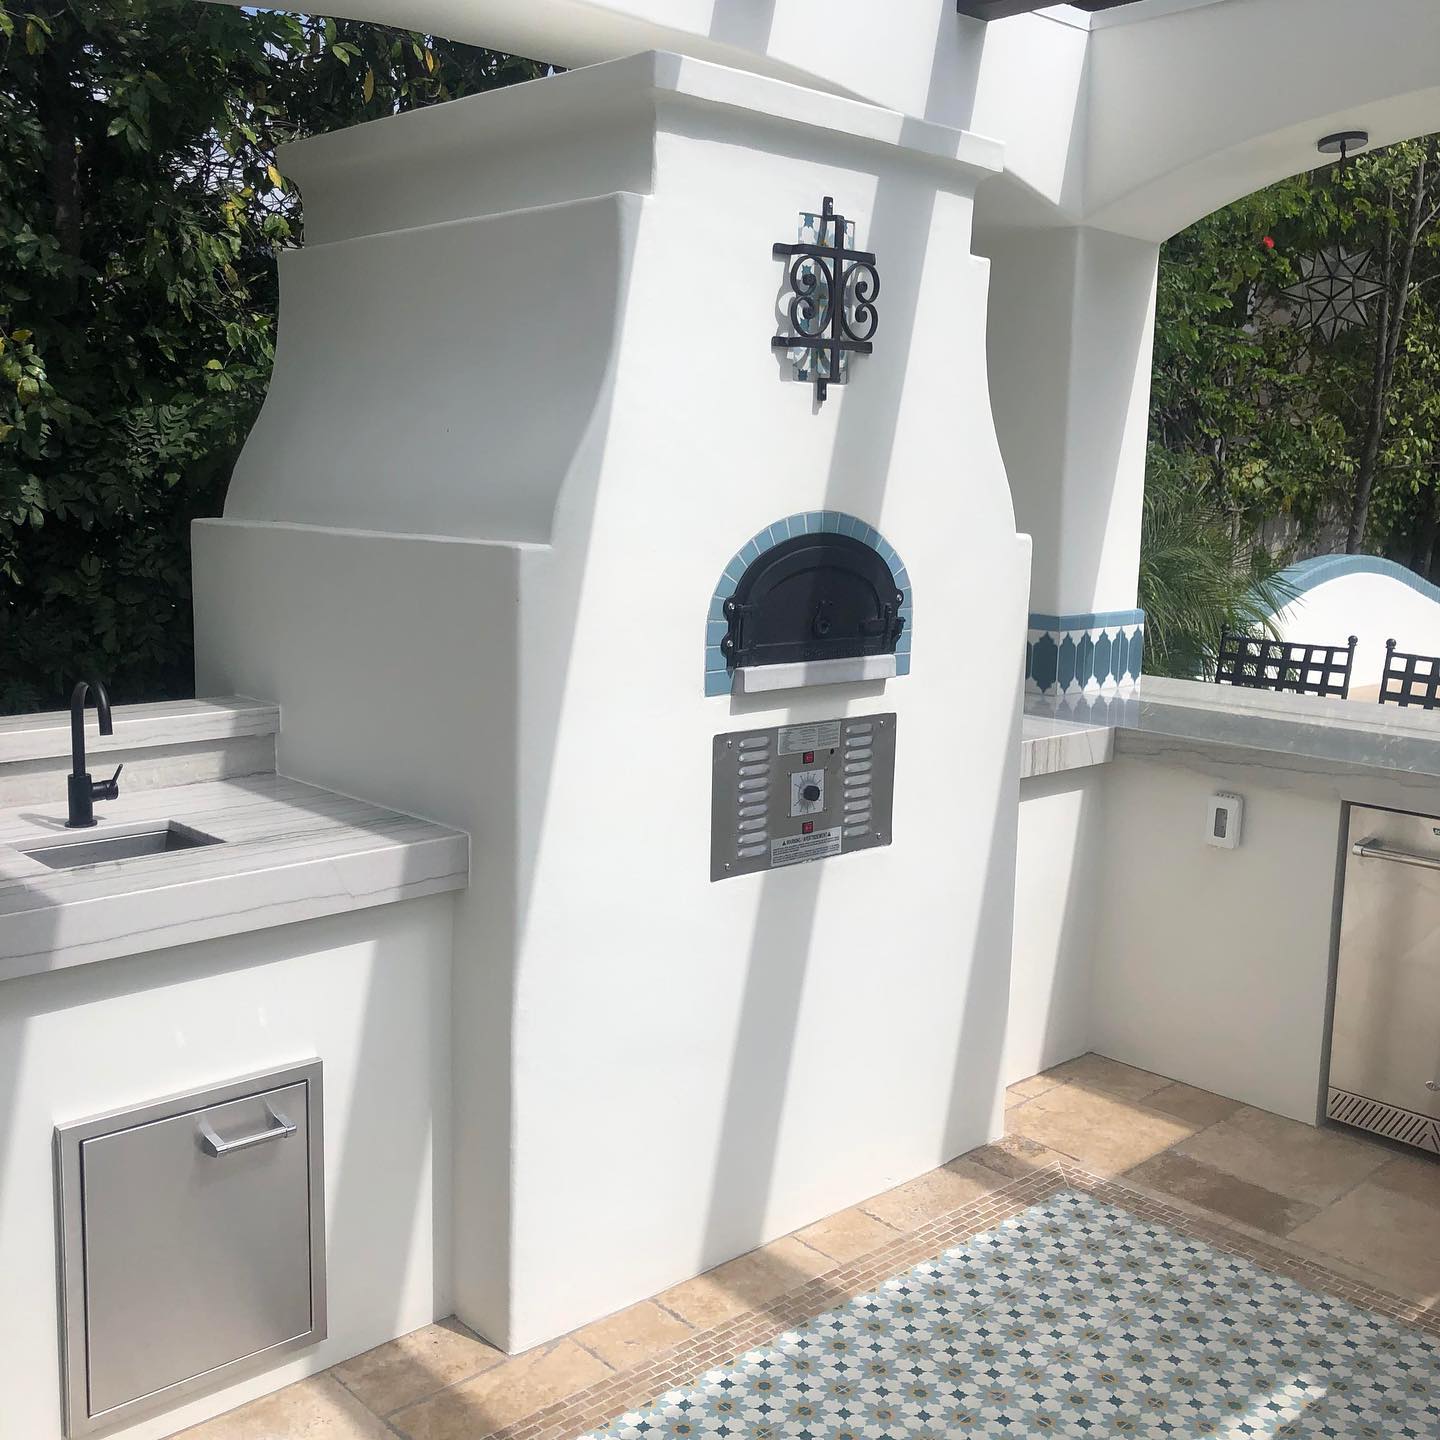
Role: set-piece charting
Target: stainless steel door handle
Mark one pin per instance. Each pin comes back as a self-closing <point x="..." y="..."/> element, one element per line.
<point x="212" y="1144"/>
<point x="1371" y="849"/>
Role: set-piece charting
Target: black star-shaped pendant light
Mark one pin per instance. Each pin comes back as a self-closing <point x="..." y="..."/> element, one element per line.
<point x="1333" y="293"/>
<point x="1336" y="286"/>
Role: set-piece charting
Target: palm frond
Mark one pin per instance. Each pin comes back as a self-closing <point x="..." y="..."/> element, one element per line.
<point x="1195" y="580"/>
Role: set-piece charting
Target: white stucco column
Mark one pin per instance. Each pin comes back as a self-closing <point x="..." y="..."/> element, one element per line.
<point x="1072" y="317"/>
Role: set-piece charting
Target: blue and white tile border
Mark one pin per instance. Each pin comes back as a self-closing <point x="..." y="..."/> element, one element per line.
<point x="1089" y="654"/>
<point x="719" y="677"/>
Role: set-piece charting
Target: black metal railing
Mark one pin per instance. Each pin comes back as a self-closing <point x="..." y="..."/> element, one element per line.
<point x="1410" y="679"/>
<point x="1260" y="663"/>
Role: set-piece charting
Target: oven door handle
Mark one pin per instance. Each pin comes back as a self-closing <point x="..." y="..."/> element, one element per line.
<point x="1371" y="849"/>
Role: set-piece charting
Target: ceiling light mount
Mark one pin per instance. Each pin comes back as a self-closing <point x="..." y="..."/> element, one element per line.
<point x="1343" y="143"/>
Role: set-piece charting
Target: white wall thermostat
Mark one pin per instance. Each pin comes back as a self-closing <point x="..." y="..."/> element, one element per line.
<point x="1222" y="825"/>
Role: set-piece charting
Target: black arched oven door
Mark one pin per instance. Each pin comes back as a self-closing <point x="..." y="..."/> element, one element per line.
<point x="813" y="597"/>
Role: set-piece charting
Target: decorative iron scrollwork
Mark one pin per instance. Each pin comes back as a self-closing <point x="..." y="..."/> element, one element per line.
<point x="833" y="290"/>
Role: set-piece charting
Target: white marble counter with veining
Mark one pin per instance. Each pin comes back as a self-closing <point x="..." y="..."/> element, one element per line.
<point x="291" y="852"/>
<point x="1051" y="746"/>
<point x="168" y="722"/>
<point x="1258" y="727"/>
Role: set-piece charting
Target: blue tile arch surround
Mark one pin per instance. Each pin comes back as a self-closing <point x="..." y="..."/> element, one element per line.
<point x="1084" y="654"/>
<point x="719" y="677"/>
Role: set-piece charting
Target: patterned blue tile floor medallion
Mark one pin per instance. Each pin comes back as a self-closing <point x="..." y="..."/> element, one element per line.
<point x="1073" y="1318"/>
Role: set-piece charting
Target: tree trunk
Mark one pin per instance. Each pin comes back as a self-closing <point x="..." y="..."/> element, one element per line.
<point x="1424" y="559"/>
<point x="59" y="124"/>
<point x="1396" y="280"/>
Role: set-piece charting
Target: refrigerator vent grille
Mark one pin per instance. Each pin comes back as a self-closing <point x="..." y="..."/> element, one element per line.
<point x="1388" y="1120"/>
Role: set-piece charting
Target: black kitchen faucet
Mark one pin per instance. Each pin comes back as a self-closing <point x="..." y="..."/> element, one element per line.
<point x="84" y="791"/>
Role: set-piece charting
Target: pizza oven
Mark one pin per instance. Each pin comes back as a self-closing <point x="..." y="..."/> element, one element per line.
<point x="814" y="599"/>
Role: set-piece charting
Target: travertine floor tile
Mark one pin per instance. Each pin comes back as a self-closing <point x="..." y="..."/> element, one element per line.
<point x="1224" y="1195"/>
<point x="704" y="1301"/>
<point x="1106" y="1134"/>
<point x="1387" y="1233"/>
<point x="319" y="1408"/>
<point x="929" y="1196"/>
<point x="1316" y="1166"/>
<point x="507" y="1393"/>
<point x="847" y="1236"/>
<point x="633" y="1335"/>
<point x="1417" y="1176"/>
<point x="416" y="1365"/>
<point x="1097" y="1072"/>
<point x="1185" y="1102"/>
<point x="1029" y="1089"/>
<point x="745" y="1283"/>
<point x="1013" y="1156"/>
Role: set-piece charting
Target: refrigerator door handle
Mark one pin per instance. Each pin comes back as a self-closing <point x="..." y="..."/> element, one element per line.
<point x="1372" y="849"/>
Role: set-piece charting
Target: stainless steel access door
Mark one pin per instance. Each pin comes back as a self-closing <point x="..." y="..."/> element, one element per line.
<point x="1385" y="1045"/>
<point x="192" y="1243"/>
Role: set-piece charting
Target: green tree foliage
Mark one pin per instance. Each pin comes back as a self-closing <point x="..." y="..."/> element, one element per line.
<point x="1268" y="440"/>
<point x="140" y="209"/>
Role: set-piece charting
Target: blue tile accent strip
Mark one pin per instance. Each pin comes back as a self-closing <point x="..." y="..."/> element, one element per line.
<point x="1084" y="654"/>
<point x="718" y="676"/>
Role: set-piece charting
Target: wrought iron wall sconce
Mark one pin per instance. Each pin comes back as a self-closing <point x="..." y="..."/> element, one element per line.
<point x="831" y="310"/>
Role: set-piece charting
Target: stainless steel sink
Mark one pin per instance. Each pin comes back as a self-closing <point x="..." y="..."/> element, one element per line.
<point x="70" y="854"/>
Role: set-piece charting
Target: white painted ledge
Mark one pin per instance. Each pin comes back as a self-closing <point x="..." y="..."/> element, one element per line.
<point x="758" y="679"/>
<point x="46" y="735"/>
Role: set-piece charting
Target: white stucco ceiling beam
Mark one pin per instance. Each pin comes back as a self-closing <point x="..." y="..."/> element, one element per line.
<point x="1191" y="108"/>
<point x="1137" y="120"/>
<point x="1019" y="79"/>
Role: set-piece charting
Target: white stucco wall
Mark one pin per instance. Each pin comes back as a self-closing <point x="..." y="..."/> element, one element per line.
<point x="1212" y="966"/>
<point x="1373" y="600"/>
<point x="1071" y="332"/>
<point x="396" y="658"/>
<point x="368" y="993"/>
<point x="1059" y="887"/>
<point x="661" y="1070"/>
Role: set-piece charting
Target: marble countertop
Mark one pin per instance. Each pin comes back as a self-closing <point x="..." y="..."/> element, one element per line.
<point x="172" y="722"/>
<point x="291" y="852"/>
<point x="1050" y="745"/>
<point x="1256" y="726"/>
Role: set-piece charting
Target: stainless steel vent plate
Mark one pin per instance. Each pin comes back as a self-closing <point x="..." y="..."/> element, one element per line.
<point x="1382" y="1119"/>
<point x="795" y="793"/>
